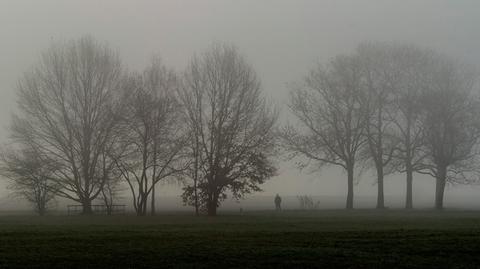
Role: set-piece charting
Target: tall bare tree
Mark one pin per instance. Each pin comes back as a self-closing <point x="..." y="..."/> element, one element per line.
<point x="67" y="111"/>
<point x="152" y="136"/>
<point x="381" y="78"/>
<point x="452" y="125"/>
<point x="232" y="124"/>
<point x="331" y="117"/>
<point x="414" y="67"/>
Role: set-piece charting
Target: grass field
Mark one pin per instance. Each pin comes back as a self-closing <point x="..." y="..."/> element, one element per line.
<point x="293" y="239"/>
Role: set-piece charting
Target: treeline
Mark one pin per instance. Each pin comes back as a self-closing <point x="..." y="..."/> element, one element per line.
<point x="395" y="108"/>
<point x="86" y="126"/>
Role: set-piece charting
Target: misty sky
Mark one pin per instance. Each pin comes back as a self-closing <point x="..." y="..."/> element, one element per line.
<point x="281" y="39"/>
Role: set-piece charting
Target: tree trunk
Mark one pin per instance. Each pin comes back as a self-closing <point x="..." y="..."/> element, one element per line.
<point x="195" y="176"/>
<point x="212" y="205"/>
<point x="212" y="209"/>
<point x="380" y="196"/>
<point x="440" y="186"/>
<point x="409" y="196"/>
<point x="141" y="211"/>
<point x="350" y="187"/>
<point x="197" y="213"/>
<point x="41" y="210"/>
<point x="87" y="207"/>
<point x="142" y="206"/>
<point x="152" y="207"/>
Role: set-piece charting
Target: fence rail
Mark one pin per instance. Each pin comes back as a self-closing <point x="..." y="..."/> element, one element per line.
<point x="97" y="209"/>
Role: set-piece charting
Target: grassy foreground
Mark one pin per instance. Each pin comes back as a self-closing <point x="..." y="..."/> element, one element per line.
<point x="321" y="239"/>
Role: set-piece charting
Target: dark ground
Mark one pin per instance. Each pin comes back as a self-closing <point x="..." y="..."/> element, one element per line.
<point x="293" y="239"/>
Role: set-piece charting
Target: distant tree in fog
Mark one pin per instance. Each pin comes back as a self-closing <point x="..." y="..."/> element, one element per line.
<point x="30" y="177"/>
<point x="307" y="203"/>
<point x="331" y="118"/>
<point x="232" y="124"/>
<point x="151" y="135"/>
<point x="67" y="113"/>
<point x="413" y="65"/>
<point x="381" y="78"/>
<point x="452" y="125"/>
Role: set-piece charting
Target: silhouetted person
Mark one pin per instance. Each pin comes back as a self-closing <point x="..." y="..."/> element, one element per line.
<point x="278" y="202"/>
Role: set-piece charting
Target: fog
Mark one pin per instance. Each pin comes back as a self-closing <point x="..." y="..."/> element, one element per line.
<point x="281" y="39"/>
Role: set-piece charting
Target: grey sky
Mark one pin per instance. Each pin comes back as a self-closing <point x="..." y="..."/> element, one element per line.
<point x="281" y="39"/>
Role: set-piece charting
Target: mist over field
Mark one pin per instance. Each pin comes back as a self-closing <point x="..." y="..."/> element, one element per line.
<point x="281" y="40"/>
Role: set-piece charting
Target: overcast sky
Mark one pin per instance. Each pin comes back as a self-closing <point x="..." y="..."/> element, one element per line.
<point x="281" y="39"/>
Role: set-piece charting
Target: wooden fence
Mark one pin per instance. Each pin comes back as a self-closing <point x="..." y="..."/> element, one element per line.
<point x="97" y="209"/>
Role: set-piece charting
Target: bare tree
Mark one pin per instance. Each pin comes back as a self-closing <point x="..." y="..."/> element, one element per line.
<point x="381" y="78"/>
<point x="331" y="118"/>
<point x="67" y="113"/>
<point x="30" y="177"/>
<point x="232" y="124"/>
<point x="452" y="125"/>
<point x="152" y="138"/>
<point x="414" y="65"/>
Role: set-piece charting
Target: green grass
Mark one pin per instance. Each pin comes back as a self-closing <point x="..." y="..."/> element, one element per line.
<point x="322" y="239"/>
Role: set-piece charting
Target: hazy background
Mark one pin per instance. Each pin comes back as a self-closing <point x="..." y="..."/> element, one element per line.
<point x="281" y="39"/>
